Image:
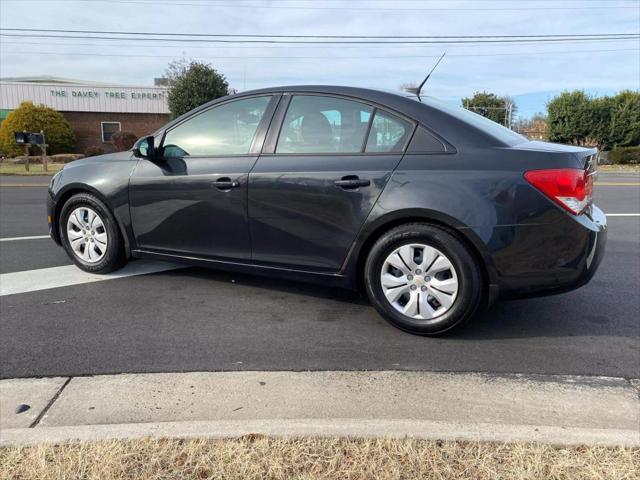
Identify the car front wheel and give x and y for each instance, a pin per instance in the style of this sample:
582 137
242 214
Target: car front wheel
90 234
422 279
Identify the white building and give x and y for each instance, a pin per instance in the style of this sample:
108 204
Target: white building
94 110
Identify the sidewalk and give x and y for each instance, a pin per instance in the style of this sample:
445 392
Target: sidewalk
553 409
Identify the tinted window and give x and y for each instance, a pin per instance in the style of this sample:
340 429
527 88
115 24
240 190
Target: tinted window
316 124
423 141
388 133
494 129
225 130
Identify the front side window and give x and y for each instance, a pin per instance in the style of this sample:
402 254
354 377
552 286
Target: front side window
388 133
225 130
108 129
319 124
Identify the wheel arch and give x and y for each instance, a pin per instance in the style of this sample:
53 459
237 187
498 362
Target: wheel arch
355 265
73 189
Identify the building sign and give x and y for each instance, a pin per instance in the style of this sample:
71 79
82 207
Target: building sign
85 98
137 95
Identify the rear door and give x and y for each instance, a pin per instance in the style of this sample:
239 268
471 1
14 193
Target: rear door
324 164
193 202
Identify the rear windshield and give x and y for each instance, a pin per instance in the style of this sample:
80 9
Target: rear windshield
502 134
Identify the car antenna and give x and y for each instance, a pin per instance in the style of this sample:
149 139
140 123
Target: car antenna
417 90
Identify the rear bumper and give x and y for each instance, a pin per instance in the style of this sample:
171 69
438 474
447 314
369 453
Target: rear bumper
553 258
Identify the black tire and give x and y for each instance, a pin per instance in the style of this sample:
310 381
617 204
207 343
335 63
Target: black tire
114 257
468 271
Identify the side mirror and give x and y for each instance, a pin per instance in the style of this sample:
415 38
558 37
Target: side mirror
145 148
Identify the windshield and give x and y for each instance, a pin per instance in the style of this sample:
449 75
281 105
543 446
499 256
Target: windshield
490 127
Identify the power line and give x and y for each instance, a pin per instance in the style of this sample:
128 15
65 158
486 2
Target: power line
256 40
359 8
289 57
174 34
270 47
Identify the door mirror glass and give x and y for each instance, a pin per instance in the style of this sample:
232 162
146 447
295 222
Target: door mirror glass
144 148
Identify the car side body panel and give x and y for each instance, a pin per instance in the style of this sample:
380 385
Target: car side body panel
107 177
527 244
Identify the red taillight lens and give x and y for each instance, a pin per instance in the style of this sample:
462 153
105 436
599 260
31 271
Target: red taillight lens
570 188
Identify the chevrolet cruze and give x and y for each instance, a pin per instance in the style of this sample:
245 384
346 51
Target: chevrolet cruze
434 211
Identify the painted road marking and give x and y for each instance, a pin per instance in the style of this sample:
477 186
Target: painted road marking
15 239
617 184
55 277
623 214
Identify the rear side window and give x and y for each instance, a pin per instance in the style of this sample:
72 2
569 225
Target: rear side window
319 124
225 130
423 141
388 133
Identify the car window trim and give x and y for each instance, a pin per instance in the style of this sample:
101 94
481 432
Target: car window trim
269 148
261 129
365 140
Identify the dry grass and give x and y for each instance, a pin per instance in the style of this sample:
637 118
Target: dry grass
34 169
254 457
619 168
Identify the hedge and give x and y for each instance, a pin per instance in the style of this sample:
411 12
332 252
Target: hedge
34 118
625 155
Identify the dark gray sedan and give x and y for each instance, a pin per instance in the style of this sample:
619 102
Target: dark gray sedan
433 210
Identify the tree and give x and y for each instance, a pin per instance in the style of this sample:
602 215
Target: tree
34 118
534 128
604 122
192 84
599 116
568 118
491 106
625 119
123 141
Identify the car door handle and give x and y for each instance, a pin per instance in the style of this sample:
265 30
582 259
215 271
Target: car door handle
225 184
351 182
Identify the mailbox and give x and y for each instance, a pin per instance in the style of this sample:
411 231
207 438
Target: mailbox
29 138
21 137
36 138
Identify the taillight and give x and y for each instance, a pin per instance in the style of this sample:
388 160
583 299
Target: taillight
570 188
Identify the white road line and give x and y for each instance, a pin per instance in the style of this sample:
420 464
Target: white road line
623 214
15 239
46 278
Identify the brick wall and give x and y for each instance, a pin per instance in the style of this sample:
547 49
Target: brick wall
87 126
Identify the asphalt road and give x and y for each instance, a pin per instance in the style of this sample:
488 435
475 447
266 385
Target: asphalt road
200 320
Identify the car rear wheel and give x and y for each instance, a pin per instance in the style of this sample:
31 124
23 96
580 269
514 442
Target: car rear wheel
422 279
90 234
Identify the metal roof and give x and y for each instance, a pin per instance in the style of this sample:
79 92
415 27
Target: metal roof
47 79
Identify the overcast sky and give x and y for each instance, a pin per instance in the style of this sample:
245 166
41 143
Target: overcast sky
530 73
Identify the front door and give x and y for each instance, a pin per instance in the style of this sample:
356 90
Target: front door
310 195
194 201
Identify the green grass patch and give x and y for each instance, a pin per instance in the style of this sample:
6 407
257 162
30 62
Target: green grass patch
34 169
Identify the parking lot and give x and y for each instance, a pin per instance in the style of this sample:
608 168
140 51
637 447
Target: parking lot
192 319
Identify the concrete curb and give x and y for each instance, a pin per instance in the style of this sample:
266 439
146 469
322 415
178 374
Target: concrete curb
554 409
339 427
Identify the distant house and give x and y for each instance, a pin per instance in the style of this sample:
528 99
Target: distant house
534 129
95 110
